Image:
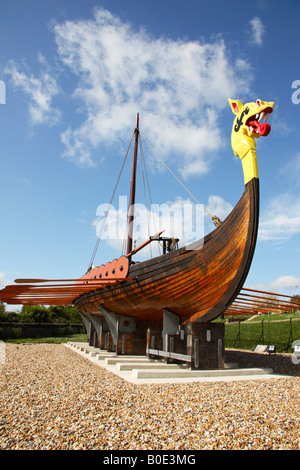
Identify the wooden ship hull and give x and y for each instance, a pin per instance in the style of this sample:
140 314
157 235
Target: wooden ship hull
197 282
172 299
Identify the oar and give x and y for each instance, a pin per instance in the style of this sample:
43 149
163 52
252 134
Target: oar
100 281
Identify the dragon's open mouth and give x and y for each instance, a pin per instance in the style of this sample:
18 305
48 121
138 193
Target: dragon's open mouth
257 124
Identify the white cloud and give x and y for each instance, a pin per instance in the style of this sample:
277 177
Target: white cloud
281 284
219 207
179 89
40 92
257 31
281 219
3 280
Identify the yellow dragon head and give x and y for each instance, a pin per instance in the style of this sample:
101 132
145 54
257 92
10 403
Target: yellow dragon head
249 124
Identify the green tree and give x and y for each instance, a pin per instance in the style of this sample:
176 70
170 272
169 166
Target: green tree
34 314
2 312
64 313
52 314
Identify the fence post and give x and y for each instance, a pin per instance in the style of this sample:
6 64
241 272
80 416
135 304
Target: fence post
261 334
238 336
290 340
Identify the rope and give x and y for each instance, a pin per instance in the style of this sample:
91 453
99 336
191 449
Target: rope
144 187
214 218
146 181
110 203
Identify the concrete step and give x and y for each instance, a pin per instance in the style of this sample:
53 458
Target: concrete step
167 373
102 356
146 366
231 365
122 359
140 369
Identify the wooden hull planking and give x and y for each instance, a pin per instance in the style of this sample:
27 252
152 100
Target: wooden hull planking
197 282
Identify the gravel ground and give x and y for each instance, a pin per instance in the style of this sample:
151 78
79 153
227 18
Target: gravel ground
52 398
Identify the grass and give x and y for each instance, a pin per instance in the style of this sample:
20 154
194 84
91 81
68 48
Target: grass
55 340
278 329
275 317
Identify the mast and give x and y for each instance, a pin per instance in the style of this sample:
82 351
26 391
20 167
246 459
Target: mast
132 188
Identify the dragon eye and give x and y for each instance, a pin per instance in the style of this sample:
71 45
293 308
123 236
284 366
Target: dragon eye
258 103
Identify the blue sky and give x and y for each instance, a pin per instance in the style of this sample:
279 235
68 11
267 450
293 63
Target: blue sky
76 73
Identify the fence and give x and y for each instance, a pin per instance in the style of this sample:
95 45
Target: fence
15 330
246 335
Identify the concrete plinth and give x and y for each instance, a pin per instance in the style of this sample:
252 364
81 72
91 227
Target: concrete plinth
199 345
205 345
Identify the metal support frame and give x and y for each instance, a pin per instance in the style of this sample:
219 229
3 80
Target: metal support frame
170 326
118 323
198 345
88 325
112 321
97 322
170 355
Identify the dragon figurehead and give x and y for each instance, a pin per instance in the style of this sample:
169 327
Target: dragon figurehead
250 123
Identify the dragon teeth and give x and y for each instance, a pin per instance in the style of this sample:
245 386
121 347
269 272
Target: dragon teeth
261 115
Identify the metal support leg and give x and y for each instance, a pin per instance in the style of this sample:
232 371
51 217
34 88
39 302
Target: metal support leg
118 324
170 326
113 324
98 325
88 325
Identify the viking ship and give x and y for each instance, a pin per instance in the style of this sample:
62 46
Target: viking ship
196 283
